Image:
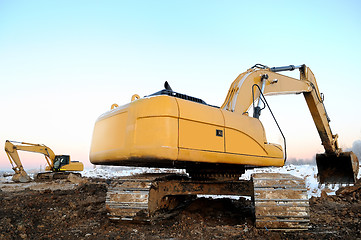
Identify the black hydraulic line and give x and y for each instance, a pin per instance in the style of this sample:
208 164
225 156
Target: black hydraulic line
264 101
257 110
258 65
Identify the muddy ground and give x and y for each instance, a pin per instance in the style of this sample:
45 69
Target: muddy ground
77 211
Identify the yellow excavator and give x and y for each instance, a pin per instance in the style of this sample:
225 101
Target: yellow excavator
215 145
59 166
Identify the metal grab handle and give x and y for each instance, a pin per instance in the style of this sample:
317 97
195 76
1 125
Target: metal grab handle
135 97
114 106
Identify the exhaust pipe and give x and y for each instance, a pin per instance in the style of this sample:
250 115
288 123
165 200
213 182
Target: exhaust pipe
337 169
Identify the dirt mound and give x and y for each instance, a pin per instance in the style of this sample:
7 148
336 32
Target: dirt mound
339 214
353 193
51 214
80 213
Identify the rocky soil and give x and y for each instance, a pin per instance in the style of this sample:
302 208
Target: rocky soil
78 211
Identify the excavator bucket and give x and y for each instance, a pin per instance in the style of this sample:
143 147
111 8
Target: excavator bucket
337 169
22 177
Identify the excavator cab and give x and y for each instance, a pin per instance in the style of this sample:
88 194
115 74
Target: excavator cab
62 163
60 160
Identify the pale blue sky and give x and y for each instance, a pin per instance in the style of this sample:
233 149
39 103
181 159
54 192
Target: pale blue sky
63 63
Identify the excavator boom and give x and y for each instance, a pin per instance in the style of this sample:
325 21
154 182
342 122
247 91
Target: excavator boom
334 166
20 174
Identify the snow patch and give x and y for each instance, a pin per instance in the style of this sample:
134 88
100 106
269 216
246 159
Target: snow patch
307 172
113 172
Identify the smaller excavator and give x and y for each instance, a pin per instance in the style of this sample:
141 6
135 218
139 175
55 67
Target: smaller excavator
59 166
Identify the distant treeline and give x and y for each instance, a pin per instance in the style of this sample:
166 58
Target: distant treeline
356 148
301 161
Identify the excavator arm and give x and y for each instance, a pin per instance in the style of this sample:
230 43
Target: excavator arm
20 174
334 166
12 152
11 149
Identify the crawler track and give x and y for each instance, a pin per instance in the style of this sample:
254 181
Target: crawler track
48 176
281 202
127 198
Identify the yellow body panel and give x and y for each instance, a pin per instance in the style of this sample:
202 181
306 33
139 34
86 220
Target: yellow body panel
156 137
110 126
161 131
244 135
148 130
73 166
198 124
